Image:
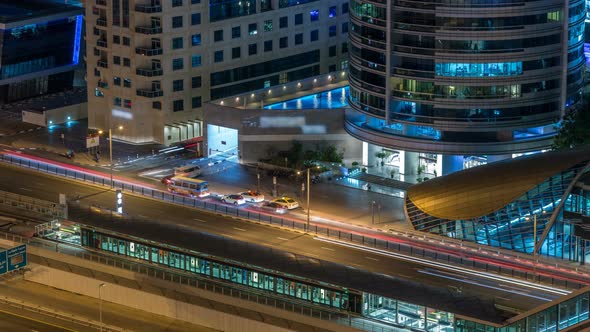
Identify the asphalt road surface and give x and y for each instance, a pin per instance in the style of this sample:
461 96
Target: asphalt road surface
13 322
515 295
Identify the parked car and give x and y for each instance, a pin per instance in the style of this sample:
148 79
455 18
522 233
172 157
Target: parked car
274 207
253 196
233 199
287 202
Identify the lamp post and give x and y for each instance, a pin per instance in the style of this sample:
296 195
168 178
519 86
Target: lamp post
100 304
308 190
535 239
257 181
111 152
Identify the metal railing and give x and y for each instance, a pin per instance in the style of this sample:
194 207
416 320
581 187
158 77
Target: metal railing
202 282
505 260
45 208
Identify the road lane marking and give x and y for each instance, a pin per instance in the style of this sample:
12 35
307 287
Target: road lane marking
199 220
473 282
37 320
486 275
371 258
328 248
239 229
503 298
282 238
26 189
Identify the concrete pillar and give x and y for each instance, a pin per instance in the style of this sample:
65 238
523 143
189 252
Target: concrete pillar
451 164
408 163
373 149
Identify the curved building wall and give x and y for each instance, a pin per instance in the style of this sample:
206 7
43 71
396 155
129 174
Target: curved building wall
489 73
511 226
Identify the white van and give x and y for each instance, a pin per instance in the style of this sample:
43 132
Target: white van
189 171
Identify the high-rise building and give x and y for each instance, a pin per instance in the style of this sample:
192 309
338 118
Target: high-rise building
448 84
152 64
40 46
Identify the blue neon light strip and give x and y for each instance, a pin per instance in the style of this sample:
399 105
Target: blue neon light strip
77 37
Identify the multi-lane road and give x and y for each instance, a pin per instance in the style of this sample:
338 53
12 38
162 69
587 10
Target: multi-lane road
509 293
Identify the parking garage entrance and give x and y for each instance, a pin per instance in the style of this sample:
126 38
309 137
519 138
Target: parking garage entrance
222 141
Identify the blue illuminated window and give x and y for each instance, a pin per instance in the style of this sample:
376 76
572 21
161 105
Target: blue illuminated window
314 15
332 12
195 61
196 39
479 69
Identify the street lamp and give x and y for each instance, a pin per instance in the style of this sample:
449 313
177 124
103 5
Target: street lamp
308 190
111 151
100 304
535 238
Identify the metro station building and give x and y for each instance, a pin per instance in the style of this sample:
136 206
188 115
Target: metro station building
501 203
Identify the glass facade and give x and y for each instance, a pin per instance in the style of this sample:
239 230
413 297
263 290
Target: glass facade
192 262
407 314
479 69
512 227
226 9
26 49
463 100
555 318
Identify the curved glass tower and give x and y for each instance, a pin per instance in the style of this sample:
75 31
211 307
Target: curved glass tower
469 77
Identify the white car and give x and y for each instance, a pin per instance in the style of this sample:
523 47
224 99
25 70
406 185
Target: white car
233 199
252 196
286 202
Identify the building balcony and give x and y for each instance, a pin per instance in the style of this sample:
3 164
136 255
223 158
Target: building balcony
148 51
101 43
149 72
148 8
101 2
148 30
102 63
150 93
101 21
